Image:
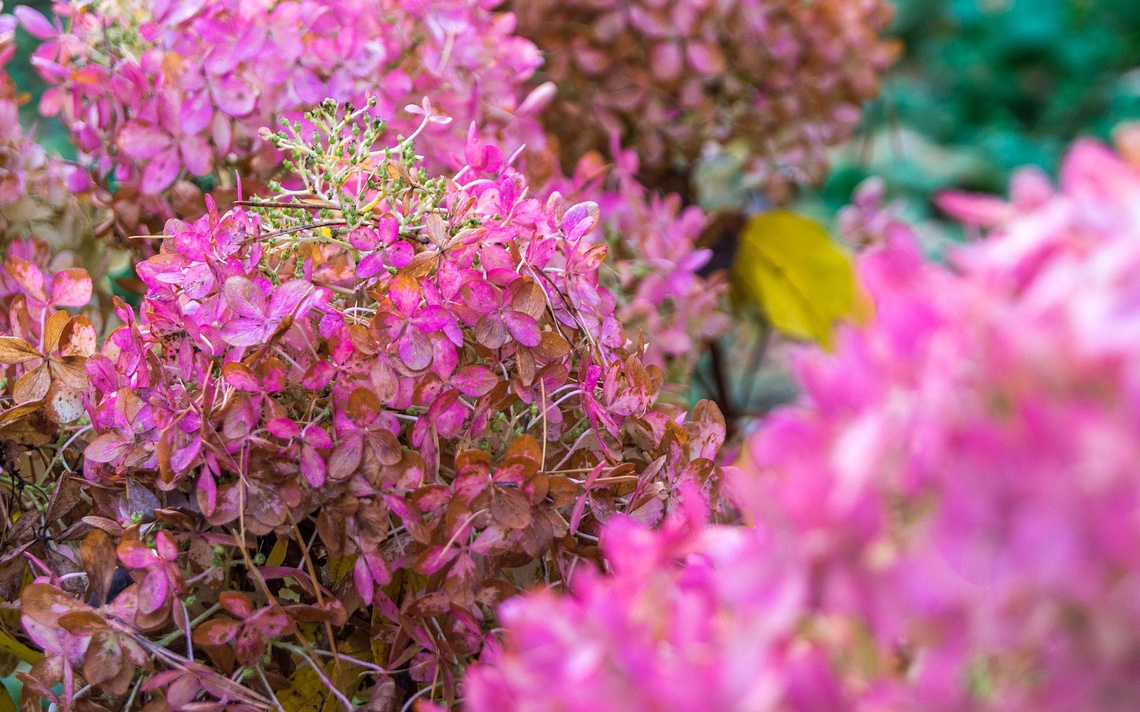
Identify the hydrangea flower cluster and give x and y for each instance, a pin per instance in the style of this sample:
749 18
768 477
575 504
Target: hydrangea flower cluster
155 92
785 77
946 521
411 391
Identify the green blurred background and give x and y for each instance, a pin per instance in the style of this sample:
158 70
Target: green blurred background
986 86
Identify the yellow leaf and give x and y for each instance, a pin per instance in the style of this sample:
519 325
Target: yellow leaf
789 265
340 566
9 644
7 704
277 554
306 691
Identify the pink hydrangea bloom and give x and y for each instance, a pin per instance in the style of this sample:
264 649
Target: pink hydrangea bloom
165 90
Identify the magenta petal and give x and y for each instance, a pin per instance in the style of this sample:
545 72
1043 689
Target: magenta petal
288 299
308 86
370 265
317 438
364 238
184 458
283 427
362 579
161 171
579 219
199 281
400 254
431 318
523 328
388 230
312 466
196 113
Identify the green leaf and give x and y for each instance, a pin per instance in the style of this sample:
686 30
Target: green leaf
790 266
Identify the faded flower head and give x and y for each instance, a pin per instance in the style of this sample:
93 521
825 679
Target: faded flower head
785 77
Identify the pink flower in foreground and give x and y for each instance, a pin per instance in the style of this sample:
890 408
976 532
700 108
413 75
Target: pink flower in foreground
946 521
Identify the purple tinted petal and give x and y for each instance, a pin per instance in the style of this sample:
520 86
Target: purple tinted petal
196 113
313 466
283 428
245 298
35 23
153 591
245 332
287 299
415 349
233 96
197 155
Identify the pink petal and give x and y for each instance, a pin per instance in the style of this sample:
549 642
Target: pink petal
283 427
196 113
71 288
35 23
370 265
312 466
196 153
108 447
288 299
161 172
245 298
142 141
233 96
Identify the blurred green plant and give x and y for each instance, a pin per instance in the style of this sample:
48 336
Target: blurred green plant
985 86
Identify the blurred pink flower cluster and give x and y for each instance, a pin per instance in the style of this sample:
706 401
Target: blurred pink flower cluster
35 189
156 91
947 521
786 77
